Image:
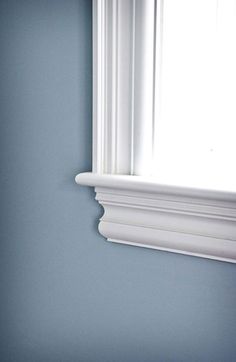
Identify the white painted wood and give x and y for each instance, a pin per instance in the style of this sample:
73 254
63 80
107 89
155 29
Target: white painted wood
113 53
124 85
140 212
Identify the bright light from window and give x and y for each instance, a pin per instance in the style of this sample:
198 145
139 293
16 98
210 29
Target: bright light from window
195 128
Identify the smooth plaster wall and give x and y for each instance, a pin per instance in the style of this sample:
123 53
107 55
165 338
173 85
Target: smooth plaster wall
66 294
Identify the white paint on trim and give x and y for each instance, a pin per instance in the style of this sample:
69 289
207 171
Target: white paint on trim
138 210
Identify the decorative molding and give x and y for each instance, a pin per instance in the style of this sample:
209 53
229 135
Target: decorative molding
138 210
113 80
123 85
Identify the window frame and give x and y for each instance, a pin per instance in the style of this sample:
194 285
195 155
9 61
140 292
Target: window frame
138 210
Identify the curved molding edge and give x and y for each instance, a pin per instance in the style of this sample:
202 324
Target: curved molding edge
140 212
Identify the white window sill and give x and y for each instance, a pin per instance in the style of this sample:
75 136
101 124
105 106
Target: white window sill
140 212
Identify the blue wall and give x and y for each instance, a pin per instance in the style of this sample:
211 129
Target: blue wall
66 294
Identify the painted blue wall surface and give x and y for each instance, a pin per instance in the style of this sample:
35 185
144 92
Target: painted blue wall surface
67 295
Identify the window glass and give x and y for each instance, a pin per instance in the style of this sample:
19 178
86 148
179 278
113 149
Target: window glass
195 113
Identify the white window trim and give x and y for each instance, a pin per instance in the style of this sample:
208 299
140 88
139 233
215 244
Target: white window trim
138 211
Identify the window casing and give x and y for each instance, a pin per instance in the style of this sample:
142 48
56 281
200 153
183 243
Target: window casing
138 208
